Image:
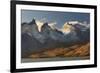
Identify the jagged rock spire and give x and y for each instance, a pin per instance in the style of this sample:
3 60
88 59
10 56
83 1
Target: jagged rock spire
32 22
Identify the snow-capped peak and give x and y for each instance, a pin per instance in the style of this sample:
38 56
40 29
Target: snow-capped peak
41 23
80 23
52 25
66 28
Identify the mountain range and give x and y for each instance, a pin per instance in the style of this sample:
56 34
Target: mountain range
39 38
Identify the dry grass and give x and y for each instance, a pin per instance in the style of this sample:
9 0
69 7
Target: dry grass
80 50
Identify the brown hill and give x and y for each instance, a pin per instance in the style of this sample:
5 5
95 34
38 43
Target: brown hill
79 50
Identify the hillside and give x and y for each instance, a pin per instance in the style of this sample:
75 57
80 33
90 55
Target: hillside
77 50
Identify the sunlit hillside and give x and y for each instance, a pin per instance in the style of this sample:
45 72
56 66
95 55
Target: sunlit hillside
77 50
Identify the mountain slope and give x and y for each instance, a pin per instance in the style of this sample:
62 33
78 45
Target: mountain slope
77 50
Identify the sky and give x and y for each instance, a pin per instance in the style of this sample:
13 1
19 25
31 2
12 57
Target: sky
54 16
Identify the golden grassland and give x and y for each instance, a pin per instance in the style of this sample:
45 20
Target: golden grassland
77 50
